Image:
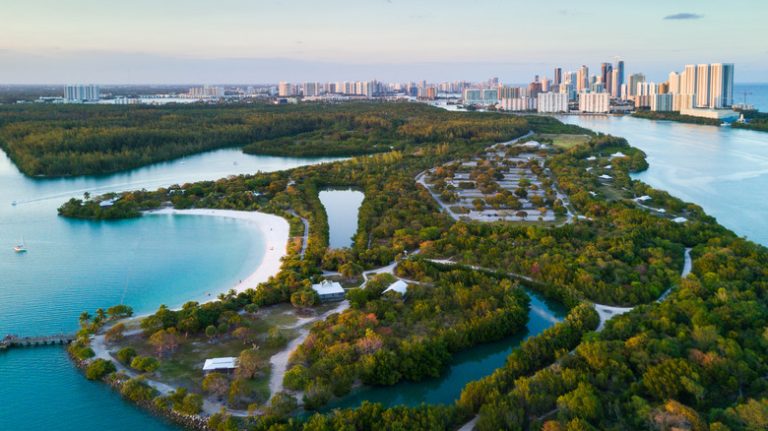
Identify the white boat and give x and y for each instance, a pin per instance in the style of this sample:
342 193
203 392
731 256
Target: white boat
20 248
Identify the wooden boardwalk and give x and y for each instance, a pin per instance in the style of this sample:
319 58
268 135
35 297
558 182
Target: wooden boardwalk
14 341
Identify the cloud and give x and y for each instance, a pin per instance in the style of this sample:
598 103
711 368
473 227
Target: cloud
684 15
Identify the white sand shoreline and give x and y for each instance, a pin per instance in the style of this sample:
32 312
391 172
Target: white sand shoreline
274 229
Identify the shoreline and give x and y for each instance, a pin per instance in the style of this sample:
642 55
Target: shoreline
274 229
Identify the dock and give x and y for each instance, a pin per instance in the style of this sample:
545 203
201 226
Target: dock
48 340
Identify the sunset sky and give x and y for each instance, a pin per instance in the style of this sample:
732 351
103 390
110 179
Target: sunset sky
175 41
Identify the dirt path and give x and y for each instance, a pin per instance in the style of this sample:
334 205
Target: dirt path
279 361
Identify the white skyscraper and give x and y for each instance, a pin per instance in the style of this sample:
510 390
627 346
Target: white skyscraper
721 85
82 93
674 83
702 85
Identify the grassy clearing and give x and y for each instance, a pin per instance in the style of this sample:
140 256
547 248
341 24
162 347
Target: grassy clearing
566 141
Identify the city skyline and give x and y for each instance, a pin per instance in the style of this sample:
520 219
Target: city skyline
243 42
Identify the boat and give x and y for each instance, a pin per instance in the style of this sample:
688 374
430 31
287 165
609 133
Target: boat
20 248
13 203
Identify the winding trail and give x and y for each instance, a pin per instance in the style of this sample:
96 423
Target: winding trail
606 312
279 361
305 237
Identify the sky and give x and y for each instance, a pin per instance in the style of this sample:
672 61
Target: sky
261 41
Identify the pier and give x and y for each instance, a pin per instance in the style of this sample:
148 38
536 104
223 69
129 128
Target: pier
15 341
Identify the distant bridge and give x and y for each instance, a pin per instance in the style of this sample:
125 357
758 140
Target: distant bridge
48 340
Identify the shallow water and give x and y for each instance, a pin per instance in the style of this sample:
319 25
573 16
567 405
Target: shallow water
75 265
723 170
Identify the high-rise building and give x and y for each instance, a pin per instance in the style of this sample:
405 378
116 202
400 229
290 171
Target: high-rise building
674 83
662 102
310 89
702 85
82 93
582 79
285 89
558 78
634 79
606 70
619 77
596 103
615 85
721 85
552 102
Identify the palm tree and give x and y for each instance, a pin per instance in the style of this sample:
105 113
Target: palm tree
84 318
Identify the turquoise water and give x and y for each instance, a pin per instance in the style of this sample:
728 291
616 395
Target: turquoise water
342 207
75 265
466 366
722 169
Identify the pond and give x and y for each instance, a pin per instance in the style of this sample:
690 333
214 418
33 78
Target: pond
342 207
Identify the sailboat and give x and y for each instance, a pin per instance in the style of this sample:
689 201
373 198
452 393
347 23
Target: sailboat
20 248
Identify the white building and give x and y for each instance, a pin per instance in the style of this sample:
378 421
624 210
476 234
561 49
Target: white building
219 365
702 85
82 93
662 102
552 102
596 103
329 290
285 89
518 104
399 286
721 85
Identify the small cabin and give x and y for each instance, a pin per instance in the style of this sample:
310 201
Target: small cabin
220 365
329 291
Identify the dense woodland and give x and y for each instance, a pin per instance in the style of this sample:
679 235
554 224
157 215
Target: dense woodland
93 140
386 338
697 361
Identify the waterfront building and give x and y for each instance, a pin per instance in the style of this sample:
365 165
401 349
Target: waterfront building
80 93
552 102
662 102
702 86
721 85
518 104
596 103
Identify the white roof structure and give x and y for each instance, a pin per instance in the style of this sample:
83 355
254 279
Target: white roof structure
618 155
679 219
591 158
643 198
327 287
399 286
605 177
220 364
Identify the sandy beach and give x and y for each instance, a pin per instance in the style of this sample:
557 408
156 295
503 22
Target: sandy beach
274 229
